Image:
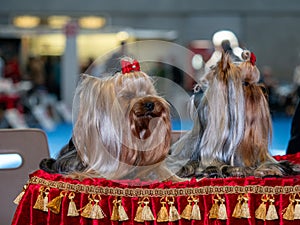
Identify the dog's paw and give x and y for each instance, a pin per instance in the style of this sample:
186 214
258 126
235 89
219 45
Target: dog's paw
267 172
188 170
276 169
209 172
234 171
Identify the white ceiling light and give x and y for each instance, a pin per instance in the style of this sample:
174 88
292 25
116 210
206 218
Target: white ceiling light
26 21
57 22
91 22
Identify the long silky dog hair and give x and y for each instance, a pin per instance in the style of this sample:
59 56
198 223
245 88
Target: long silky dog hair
232 126
253 149
122 128
218 122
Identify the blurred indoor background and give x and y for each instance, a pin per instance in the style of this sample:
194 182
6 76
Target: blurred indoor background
45 45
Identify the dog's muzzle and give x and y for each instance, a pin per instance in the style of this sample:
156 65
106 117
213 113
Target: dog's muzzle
143 115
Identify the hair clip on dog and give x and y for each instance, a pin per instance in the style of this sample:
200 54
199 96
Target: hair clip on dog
128 67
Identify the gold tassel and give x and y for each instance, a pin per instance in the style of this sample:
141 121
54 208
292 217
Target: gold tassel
272 213
40 202
245 211
72 210
162 215
87 209
213 212
261 211
20 196
138 214
288 212
54 204
196 215
97 212
122 213
297 210
147 214
173 213
115 213
46 199
222 213
187 212
238 208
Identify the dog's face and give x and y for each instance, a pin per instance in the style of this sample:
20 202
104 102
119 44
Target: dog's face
146 136
121 123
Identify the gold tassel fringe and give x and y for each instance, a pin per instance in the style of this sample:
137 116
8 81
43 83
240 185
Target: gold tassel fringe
115 212
54 204
96 211
20 196
39 203
222 213
238 207
72 210
138 214
261 211
196 215
46 199
245 211
42 199
272 213
87 209
265 211
173 213
147 214
118 212
289 211
162 215
122 213
297 210
213 212
187 212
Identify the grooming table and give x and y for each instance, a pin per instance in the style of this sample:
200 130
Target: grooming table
57 200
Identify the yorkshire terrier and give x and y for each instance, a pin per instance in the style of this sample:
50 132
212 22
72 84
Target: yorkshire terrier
122 129
232 126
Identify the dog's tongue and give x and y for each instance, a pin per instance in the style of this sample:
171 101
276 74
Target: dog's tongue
142 134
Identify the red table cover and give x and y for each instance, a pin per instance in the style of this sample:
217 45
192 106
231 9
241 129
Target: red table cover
58 200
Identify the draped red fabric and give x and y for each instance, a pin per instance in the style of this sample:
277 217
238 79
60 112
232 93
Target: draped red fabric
129 192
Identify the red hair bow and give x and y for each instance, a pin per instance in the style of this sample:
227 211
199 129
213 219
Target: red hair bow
252 59
128 67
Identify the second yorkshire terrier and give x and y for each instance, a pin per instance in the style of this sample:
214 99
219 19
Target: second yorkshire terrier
232 127
122 128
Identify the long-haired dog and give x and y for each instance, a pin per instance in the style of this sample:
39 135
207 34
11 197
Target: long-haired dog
122 128
232 126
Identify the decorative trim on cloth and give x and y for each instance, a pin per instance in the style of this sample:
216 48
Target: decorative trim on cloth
160 192
55 199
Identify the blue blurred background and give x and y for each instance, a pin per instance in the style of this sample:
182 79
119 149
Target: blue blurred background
281 133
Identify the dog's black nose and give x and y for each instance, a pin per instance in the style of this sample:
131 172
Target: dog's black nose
149 106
